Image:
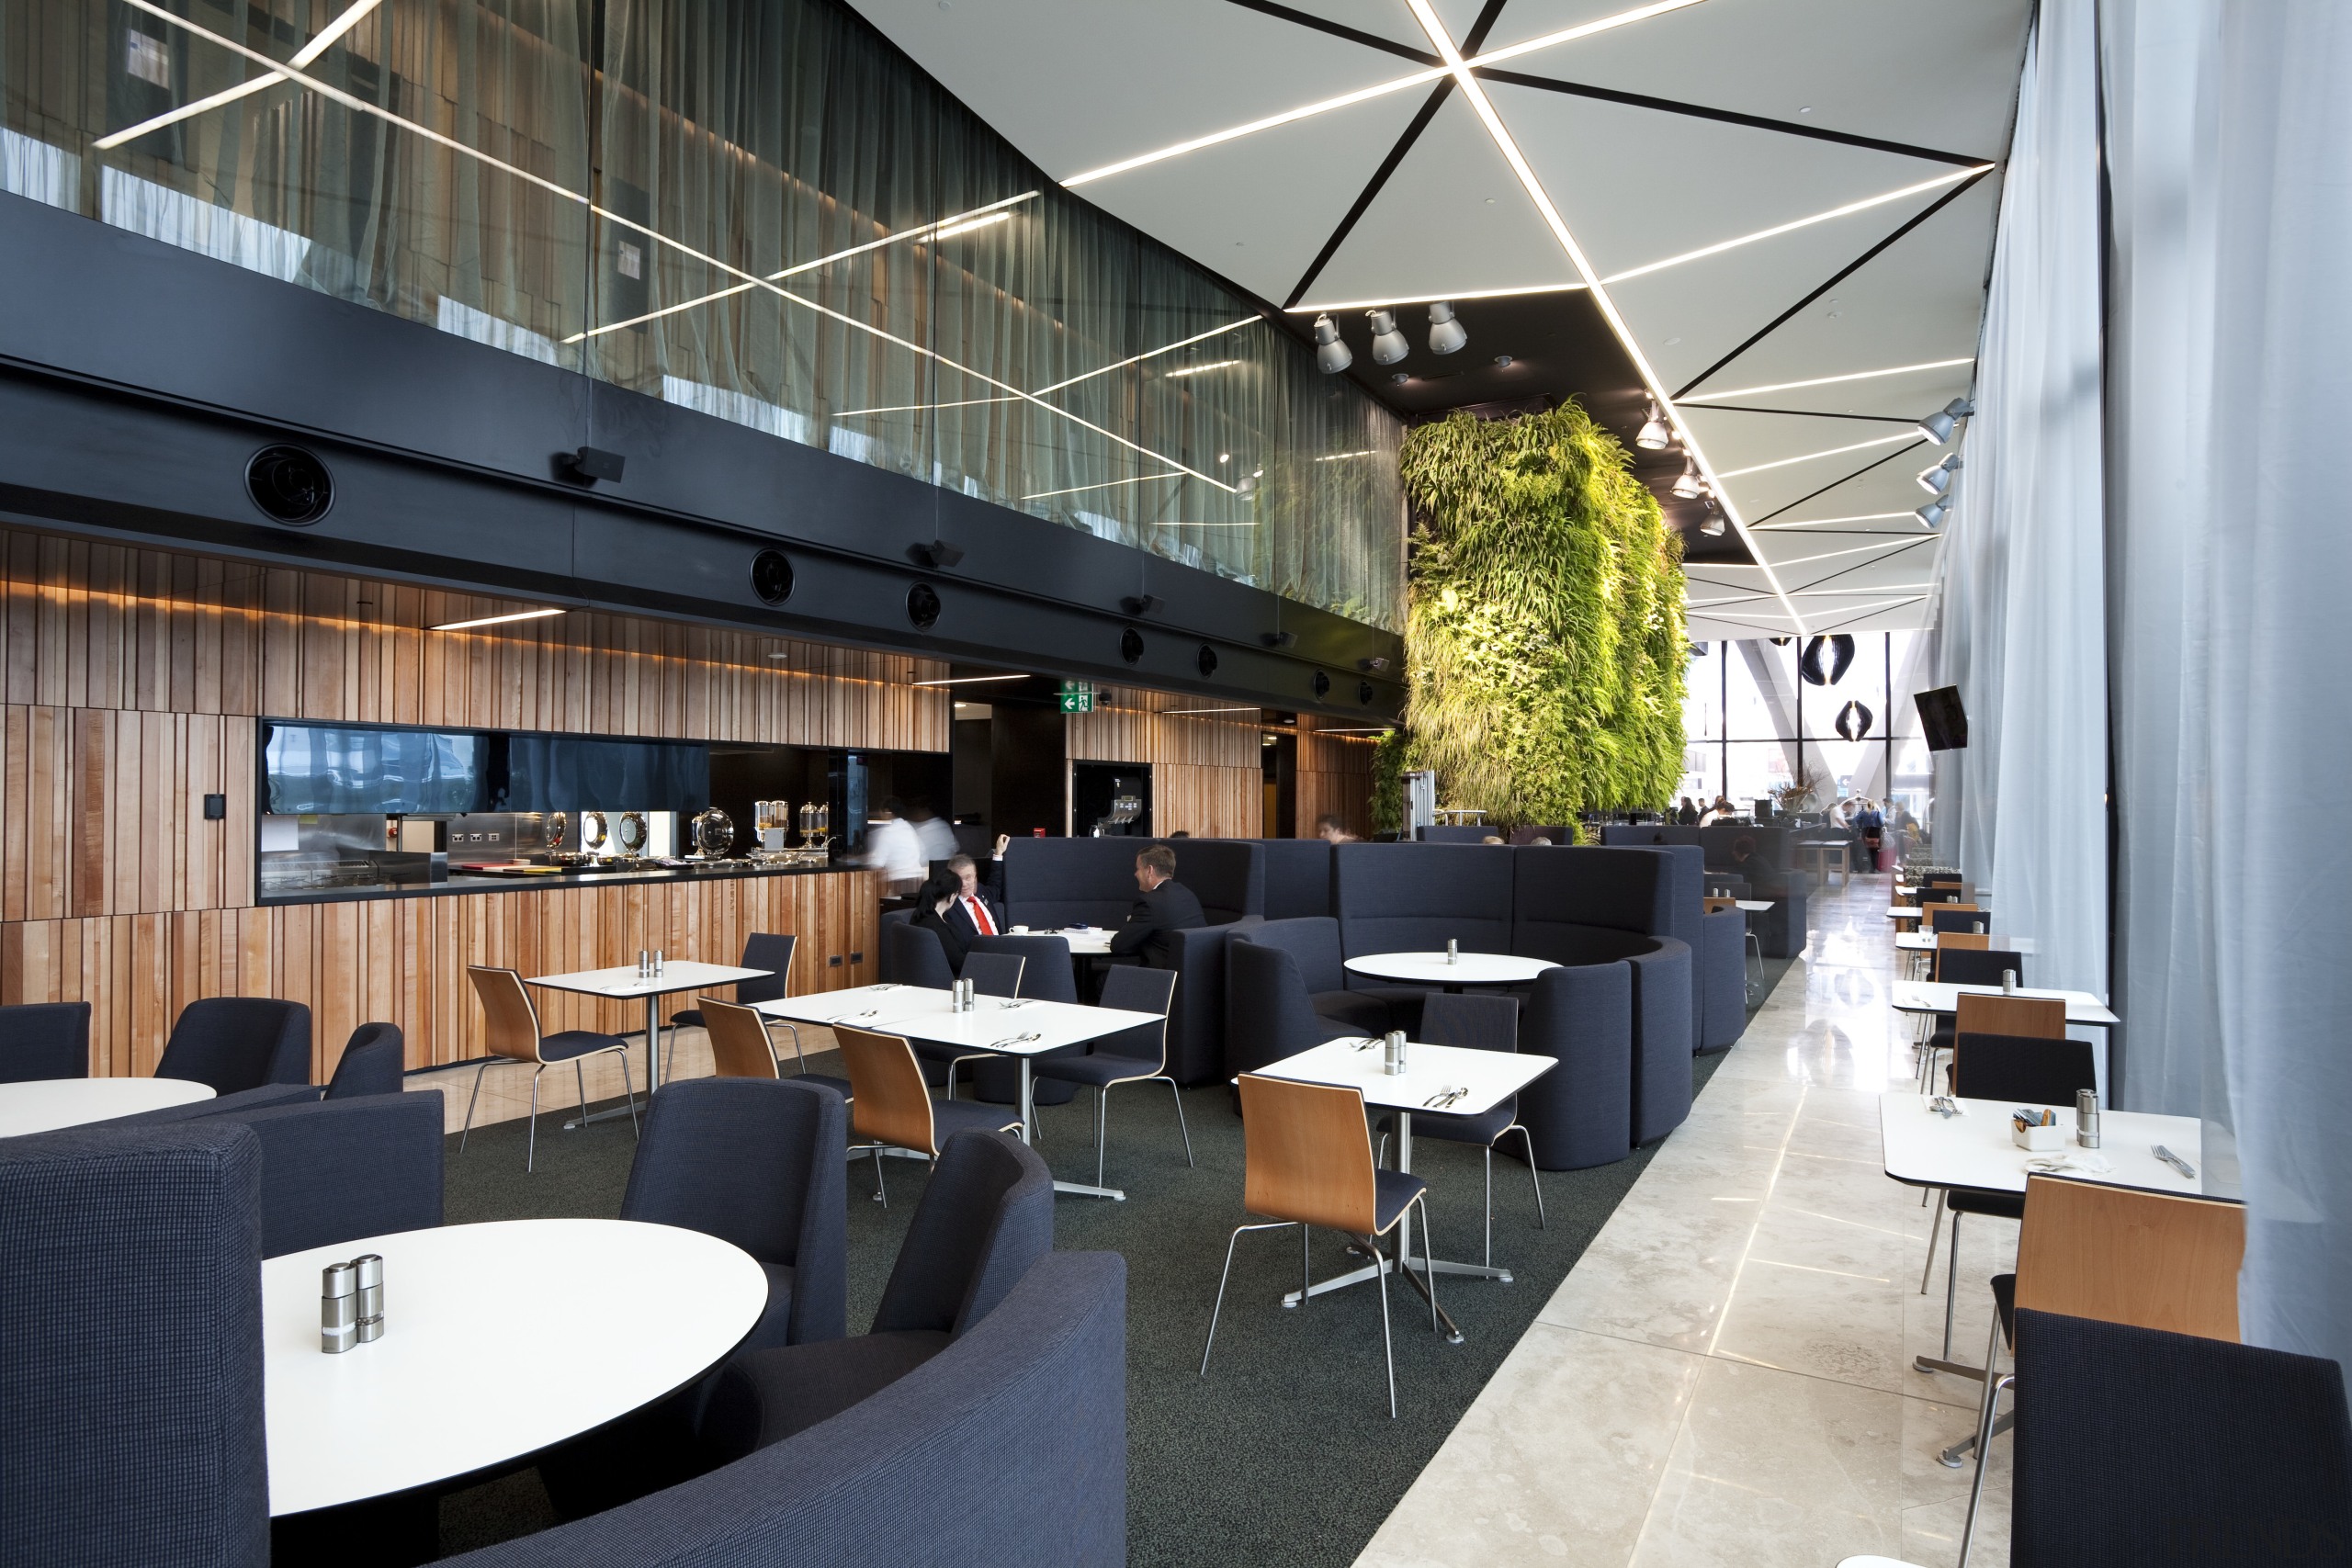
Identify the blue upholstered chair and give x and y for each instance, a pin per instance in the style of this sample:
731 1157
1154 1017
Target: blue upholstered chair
1116 1060
44 1039
1477 1023
337 1170
1269 1014
1040 968
238 1042
986 1218
1045 970
758 1163
1580 1114
144 1445
1941 920
1313 943
372 1063
268 1097
912 956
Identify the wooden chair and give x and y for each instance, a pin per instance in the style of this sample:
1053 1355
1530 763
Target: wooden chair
514 1034
2117 1254
741 1047
1717 906
2042 1018
1306 1161
890 1106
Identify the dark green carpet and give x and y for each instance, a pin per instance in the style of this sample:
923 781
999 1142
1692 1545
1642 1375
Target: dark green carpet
1285 1451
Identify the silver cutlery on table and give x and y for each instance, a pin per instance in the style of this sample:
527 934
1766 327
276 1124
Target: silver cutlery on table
844 1018
2177 1163
1443 1098
1021 1002
1364 1044
1014 1040
1944 1106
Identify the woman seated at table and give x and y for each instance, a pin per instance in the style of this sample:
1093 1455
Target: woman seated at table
931 904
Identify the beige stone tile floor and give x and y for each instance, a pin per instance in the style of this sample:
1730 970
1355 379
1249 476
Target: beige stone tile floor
1726 1376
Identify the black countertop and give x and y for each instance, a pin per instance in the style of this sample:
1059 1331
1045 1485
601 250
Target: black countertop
462 883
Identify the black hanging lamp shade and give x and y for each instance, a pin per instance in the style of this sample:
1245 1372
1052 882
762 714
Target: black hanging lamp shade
1840 649
1854 721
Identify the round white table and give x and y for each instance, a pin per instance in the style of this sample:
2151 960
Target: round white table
499 1340
44 1105
1467 969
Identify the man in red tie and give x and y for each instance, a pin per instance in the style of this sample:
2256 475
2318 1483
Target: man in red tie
979 908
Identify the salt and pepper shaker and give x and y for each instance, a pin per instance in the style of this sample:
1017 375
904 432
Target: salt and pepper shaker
2086 1118
2009 982
644 963
659 961
338 1308
1392 1055
370 1268
1452 951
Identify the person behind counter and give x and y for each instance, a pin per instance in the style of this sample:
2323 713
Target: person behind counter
1165 904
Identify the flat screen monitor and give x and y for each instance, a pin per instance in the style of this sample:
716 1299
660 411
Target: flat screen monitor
1943 719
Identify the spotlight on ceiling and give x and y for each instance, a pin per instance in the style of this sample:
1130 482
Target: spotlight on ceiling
1934 513
1446 335
1502 361
1331 355
1248 485
1937 480
1657 435
1687 484
1388 344
1937 427
1712 524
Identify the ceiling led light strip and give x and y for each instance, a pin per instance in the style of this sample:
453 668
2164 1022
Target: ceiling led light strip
1824 522
1457 296
1365 94
969 680
1831 452
553 188
496 620
1202 369
1472 90
1148 354
1891 542
1828 380
303 56
1774 233
1106 484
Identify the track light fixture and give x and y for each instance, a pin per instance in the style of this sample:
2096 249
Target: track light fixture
1937 480
1712 523
1657 435
1932 515
1937 427
1687 484
1331 355
1388 344
1446 335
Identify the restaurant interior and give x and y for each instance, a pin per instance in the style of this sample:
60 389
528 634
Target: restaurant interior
1662 648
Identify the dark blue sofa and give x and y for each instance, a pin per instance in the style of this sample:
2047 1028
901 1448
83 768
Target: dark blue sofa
1770 872
1718 943
1298 878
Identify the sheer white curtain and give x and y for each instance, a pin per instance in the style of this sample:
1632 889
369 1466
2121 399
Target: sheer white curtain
2228 125
2023 599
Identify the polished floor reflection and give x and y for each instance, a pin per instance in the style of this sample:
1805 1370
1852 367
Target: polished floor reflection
1726 1376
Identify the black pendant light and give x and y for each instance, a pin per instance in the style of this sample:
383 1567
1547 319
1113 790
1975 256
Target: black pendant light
1840 649
1854 721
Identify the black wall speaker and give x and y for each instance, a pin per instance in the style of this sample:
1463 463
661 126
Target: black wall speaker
1207 660
922 605
771 577
1943 720
1322 684
1131 645
289 485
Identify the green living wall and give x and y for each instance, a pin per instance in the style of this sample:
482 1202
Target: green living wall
1543 620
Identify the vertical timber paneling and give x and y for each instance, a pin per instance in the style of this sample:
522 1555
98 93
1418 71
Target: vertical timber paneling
1334 777
1207 779
133 687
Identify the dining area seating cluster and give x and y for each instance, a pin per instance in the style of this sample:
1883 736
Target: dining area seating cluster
2119 1320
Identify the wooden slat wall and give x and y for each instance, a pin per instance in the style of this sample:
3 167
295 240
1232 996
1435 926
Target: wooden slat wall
133 683
1335 776
1207 778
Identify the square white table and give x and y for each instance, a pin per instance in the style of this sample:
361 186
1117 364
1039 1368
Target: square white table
1085 941
1927 995
993 1028
1925 942
622 983
1491 1078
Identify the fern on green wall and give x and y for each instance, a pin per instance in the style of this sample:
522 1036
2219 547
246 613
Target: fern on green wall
1543 620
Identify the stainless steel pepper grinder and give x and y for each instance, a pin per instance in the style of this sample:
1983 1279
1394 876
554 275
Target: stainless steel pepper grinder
370 1268
338 1308
2086 1118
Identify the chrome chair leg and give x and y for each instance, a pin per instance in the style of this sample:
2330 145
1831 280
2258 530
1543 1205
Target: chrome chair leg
1387 1345
1101 1125
881 1191
1490 1205
1219 1304
468 1130
1951 1283
531 1144
628 1096
1429 1266
1993 1386
1305 1265
797 1054
1533 1175
1187 1132
1935 1225
580 1076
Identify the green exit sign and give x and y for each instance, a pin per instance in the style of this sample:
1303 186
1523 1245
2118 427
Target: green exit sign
1078 696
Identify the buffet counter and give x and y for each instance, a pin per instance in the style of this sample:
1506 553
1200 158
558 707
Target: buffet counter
461 881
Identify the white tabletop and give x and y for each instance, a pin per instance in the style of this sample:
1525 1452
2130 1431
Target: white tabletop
1925 942
1902 912
1092 940
1973 1149
499 1340
623 980
1925 996
1468 969
1752 905
996 1024
43 1105
1491 1076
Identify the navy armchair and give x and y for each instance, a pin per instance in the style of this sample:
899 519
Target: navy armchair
1270 1014
1313 943
372 1063
238 1042
337 1170
123 1444
44 1039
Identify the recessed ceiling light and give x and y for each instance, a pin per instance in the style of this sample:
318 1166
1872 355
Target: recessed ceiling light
1502 361
496 620
1224 457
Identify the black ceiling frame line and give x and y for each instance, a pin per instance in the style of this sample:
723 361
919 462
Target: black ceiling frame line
1338 29
1727 116
1882 610
1866 565
1800 413
1840 532
1833 484
1841 276
1487 16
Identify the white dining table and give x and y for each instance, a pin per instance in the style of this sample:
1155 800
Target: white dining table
1925 942
44 1105
1488 1079
500 1339
1929 995
1020 1028
1453 974
1923 1148
623 983
1085 941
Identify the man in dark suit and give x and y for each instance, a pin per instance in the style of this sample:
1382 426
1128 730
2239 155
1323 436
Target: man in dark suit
1166 905
978 906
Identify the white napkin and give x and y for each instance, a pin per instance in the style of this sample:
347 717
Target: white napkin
2074 1162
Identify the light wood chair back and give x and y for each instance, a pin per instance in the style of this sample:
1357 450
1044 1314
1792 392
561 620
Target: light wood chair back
739 1039
2124 1255
1307 1154
1980 941
513 1022
1717 906
2036 1018
890 1103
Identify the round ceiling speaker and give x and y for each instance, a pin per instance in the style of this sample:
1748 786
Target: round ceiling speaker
922 605
771 577
1207 660
1322 684
1131 645
289 485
